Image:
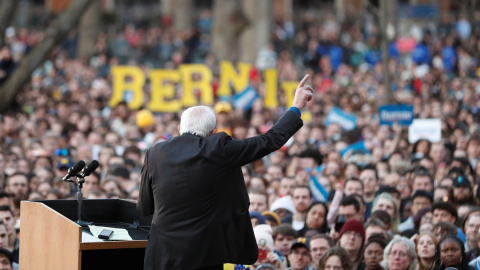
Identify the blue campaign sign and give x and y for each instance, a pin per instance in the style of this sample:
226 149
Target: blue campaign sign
338 116
245 99
402 114
356 147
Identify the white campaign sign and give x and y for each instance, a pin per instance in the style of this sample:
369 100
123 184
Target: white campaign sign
429 129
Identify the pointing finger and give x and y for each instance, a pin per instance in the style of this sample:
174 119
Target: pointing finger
304 80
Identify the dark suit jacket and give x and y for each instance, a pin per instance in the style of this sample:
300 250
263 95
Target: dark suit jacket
195 189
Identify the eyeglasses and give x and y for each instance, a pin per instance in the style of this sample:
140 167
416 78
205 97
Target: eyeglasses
352 233
398 254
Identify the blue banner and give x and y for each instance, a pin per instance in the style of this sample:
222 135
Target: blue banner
245 99
338 116
401 114
358 146
318 191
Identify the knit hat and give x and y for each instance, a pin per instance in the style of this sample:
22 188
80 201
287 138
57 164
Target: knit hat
223 106
274 215
263 235
284 202
257 215
353 225
145 118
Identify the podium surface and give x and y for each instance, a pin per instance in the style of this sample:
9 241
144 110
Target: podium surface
50 238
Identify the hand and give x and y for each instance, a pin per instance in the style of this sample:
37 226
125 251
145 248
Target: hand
303 94
274 259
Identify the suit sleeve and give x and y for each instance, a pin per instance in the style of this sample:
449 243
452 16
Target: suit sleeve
245 151
145 204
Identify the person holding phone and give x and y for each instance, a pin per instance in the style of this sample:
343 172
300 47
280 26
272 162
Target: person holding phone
266 254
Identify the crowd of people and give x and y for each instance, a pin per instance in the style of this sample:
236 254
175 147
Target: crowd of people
393 205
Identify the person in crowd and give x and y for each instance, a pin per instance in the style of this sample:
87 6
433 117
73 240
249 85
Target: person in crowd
463 191
375 226
17 184
256 218
6 260
386 202
444 228
283 207
13 245
258 200
371 184
287 184
263 236
302 199
283 237
336 258
319 245
399 254
451 253
316 220
420 199
426 244
300 257
373 253
422 180
271 218
446 212
352 239
471 227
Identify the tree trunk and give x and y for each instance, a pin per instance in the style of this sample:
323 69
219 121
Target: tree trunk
66 21
257 36
183 15
90 26
7 10
229 22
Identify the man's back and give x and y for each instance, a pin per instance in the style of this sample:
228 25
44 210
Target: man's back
195 189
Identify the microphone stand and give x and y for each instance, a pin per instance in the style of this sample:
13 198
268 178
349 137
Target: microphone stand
79 183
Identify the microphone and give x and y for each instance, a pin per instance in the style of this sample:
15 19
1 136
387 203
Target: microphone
92 166
74 170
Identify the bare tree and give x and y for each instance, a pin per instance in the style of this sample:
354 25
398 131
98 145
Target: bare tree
90 26
183 10
7 10
229 23
257 35
53 35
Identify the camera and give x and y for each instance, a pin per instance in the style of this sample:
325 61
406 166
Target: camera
262 254
339 223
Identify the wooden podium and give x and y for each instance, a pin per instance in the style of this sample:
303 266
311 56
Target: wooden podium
51 239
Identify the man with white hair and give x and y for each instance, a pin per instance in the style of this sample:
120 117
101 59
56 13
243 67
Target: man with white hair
193 185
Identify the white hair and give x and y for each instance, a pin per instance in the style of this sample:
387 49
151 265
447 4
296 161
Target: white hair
411 253
198 120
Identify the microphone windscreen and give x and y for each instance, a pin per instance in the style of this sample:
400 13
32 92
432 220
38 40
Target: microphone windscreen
78 167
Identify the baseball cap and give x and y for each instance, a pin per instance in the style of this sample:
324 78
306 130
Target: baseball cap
145 118
461 181
301 241
65 162
223 106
